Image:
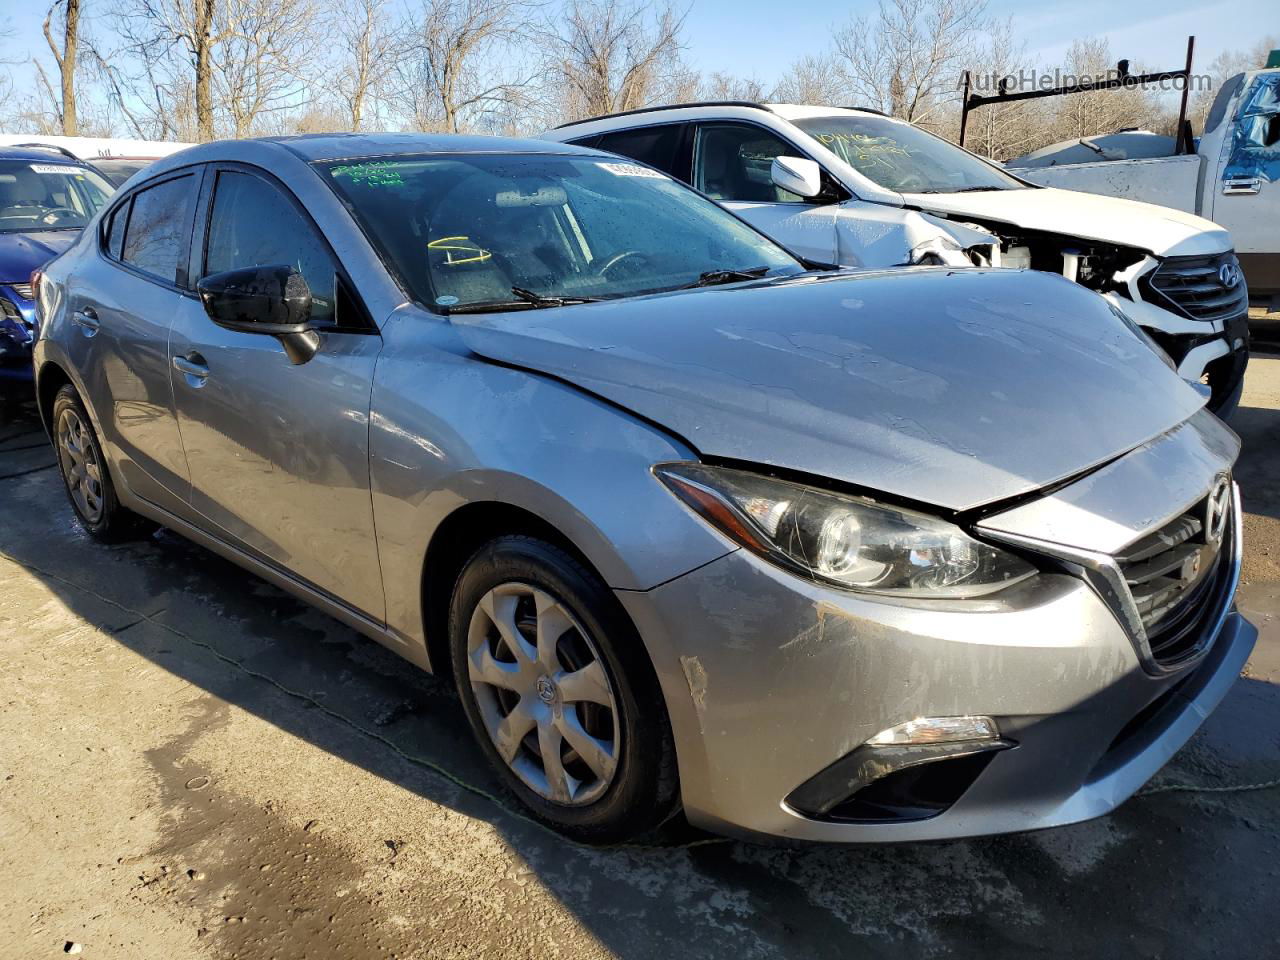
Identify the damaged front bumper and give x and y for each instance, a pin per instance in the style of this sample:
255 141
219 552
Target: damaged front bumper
777 688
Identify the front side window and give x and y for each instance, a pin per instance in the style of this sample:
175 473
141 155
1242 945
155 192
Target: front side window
48 196
734 161
655 146
155 239
473 229
900 157
253 224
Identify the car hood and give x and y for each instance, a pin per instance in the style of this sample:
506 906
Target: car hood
21 253
1144 226
951 388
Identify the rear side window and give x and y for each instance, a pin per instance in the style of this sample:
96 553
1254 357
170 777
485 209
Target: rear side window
655 146
155 238
253 224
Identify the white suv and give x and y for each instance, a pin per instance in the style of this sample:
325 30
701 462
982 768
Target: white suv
857 188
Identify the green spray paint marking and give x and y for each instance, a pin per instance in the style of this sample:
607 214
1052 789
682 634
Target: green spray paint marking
376 173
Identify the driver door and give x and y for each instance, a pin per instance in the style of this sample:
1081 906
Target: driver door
278 453
732 164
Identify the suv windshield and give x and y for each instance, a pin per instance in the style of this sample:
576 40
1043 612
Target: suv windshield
467 230
901 157
35 195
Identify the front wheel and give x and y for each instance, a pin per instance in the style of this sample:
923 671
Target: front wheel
560 692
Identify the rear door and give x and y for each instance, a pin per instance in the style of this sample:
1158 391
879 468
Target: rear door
732 163
122 303
279 452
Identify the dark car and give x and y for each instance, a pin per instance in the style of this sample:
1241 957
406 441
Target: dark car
46 199
120 169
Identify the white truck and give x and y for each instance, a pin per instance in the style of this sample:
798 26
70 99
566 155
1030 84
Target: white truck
856 188
1233 178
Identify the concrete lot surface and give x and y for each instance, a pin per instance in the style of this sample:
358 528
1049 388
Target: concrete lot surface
193 764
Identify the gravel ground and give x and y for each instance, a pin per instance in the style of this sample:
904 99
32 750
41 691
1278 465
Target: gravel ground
196 765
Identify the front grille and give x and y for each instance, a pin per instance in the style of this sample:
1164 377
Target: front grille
24 290
1194 287
1177 575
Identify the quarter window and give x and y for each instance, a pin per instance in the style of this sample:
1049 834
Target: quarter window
115 232
734 161
155 239
253 224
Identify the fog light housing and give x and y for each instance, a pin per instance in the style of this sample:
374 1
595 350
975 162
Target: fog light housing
924 730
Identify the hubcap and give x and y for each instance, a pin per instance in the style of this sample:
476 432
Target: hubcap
543 693
80 467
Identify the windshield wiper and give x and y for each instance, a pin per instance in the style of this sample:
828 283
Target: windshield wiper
712 278
526 300
538 300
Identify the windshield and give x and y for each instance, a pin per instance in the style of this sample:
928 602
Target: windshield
903 158
48 196
476 229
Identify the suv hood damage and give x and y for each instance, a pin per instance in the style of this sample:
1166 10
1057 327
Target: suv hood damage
955 389
1144 226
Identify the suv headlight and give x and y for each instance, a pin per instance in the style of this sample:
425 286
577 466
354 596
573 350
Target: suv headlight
845 541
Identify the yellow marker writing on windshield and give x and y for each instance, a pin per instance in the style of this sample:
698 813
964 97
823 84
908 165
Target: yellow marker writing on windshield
455 245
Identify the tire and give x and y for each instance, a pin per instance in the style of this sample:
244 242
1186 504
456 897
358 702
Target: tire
86 476
626 790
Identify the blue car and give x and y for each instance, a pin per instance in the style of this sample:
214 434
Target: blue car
46 199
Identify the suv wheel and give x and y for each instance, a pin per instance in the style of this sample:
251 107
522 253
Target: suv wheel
560 693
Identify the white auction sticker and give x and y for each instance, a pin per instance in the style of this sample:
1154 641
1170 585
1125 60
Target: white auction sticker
53 168
632 170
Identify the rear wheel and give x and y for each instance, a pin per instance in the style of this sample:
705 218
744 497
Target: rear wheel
560 693
86 476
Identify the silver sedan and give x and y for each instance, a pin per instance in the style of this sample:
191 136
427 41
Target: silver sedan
692 524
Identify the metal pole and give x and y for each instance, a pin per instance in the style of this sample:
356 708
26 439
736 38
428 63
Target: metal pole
964 107
1184 140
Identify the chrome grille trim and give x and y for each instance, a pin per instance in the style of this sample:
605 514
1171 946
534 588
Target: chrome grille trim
1104 574
24 290
1192 287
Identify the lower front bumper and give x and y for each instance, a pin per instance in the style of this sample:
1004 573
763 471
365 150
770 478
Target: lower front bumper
769 680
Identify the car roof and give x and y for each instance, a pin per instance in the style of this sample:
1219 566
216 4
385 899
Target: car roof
38 154
343 146
701 110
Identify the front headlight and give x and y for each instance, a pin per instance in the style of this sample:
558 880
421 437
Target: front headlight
845 541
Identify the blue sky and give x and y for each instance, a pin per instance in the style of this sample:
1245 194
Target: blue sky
760 38
751 37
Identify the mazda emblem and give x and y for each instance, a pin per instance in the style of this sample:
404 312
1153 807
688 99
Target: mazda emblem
1217 511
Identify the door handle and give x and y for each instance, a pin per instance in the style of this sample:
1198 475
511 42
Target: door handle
193 367
1241 185
87 320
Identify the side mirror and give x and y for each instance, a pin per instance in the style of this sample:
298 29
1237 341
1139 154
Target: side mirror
799 175
273 300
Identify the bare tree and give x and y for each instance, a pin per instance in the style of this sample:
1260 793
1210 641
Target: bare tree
906 60
369 44
724 86
604 57
455 62
64 55
1006 130
261 60
1104 111
812 79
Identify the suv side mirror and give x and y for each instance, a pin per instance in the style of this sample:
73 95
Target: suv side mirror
798 175
273 300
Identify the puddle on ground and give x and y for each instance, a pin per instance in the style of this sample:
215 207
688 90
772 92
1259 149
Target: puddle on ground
253 882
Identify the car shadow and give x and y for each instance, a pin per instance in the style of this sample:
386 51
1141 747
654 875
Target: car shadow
1079 891
1258 471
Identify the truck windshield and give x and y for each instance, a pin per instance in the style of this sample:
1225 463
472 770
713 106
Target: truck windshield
900 157
496 231
48 196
